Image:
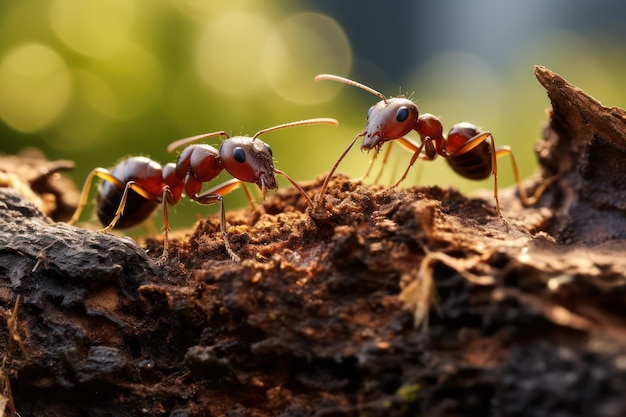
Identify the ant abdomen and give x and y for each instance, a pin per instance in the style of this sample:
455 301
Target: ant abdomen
146 173
474 165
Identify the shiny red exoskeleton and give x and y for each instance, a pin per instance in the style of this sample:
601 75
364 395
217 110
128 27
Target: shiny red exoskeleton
137 183
131 191
470 152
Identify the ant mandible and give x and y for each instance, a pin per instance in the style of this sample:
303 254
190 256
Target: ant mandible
470 152
247 159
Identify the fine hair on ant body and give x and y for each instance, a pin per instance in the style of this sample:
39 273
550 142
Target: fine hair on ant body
247 159
470 152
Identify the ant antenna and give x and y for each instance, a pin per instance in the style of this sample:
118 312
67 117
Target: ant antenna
186 141
191 139
332 77
319 121
297 187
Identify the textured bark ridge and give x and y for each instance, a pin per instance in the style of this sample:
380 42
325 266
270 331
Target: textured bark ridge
585 144
383 303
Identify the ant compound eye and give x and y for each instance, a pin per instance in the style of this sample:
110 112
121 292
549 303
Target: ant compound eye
369 112
402 114
269 149
239 154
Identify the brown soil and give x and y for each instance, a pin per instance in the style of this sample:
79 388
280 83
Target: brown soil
382 303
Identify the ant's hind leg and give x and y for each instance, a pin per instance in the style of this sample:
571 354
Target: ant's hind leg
131 185
101 173
526 200
471 144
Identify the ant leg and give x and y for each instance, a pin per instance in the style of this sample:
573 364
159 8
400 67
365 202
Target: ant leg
249 196
221 189
407 144
322 192
417 153
298 187
526 201
215 195
102 173
130 185
369 166
474 142
167 196
385 159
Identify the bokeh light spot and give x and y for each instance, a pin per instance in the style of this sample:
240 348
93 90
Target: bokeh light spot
124 85
97 93
81 127
458 86
95 27
35 86
302 46
229 53
201 10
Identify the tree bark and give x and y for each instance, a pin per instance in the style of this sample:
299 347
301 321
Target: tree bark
418 301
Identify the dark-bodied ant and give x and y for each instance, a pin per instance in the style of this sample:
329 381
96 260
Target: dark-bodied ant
470 152
247 159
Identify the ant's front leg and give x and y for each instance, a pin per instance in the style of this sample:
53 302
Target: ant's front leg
216 195
322 192
427 144
371 164
382 167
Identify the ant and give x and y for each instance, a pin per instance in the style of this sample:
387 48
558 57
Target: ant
470 152
247 159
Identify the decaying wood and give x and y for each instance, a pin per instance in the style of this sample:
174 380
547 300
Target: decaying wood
410 302
585 144
41 182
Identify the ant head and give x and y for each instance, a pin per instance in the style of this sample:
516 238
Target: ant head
389 119
249 160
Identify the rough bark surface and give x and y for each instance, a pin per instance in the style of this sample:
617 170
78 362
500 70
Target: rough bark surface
393 303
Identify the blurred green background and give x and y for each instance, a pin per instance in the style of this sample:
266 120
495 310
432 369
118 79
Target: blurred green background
96 81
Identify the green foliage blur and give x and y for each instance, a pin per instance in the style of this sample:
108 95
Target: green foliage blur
96 81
